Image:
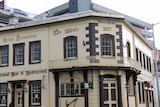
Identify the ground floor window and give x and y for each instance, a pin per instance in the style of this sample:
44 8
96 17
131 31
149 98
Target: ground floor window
35 92
3 94
72 89
141 92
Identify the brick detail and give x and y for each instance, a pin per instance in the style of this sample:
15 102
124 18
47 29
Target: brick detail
120 47
92 40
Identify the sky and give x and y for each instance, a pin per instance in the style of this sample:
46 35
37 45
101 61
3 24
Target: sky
146 10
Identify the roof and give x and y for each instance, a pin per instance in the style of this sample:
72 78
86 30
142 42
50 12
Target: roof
66 17
60 18
64 9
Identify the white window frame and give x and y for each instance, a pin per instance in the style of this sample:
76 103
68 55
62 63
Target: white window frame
68 90
3 94
70 47
35 93
19 53
4 51
107 45
35 52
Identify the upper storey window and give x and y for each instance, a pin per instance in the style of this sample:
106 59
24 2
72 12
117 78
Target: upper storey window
18 54
107 45
34 52
128 49
70 47
3 55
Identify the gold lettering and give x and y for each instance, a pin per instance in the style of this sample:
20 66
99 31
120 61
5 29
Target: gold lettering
71 30
107 28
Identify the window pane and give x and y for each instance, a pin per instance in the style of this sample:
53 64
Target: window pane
71 47
35 93
4 54
72 89
106 96
19 53
113 105
107 47
3 94
35 51
113 94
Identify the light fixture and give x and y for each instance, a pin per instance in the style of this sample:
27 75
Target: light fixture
43 86
127 85
25 90
84 43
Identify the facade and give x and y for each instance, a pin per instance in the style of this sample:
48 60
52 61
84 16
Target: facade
84 59
140 26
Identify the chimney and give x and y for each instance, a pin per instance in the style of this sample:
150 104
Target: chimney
79 5
14 19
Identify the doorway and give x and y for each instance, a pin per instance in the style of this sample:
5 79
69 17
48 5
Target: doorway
110 93
18 96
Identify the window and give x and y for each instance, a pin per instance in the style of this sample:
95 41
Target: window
137 54
70 47
35 93
72 89
140 54
128 50
4 55
35 52
3 94
144 61
150 69
141 92
107 45
18 54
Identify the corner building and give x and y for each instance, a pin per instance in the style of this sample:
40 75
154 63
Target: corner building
86 59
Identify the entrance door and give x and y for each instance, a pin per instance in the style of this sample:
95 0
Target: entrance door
18 95
110 92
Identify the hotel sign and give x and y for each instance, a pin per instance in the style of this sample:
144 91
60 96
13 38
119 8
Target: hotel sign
18 38
27 73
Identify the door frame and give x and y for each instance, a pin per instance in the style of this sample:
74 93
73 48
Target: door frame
12 87
118 78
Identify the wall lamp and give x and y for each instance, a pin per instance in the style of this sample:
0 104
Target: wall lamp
84 43
25 90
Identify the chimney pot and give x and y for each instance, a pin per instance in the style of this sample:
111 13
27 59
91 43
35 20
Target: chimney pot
14 19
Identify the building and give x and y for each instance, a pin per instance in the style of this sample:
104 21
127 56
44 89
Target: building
81 59
142 27
6 14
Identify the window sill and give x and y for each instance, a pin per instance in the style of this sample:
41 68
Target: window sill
3 65
107 56
70 58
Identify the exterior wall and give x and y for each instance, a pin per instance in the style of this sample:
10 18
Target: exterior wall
52 58
27 71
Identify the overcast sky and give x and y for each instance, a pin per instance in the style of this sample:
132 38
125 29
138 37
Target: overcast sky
146 10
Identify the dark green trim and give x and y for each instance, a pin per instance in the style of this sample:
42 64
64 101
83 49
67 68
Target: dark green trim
56 75
101 90
92 41
119 33
85 73
129 69
119 91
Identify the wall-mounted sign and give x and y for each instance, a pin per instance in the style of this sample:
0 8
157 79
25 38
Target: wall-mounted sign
18 38
71 30
27 73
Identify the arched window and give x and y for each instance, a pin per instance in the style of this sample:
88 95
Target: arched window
128 49
70 47
107 45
